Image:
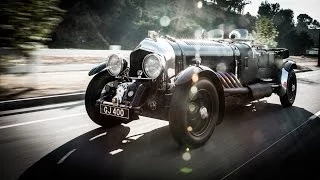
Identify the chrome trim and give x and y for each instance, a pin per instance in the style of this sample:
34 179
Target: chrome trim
275 85
160 59
236 68
283 80
160 46
167 49
122 63
134 78
111 104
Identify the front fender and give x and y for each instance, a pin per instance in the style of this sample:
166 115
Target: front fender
186 75
97 69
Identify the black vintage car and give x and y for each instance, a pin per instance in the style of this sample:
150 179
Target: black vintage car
187 82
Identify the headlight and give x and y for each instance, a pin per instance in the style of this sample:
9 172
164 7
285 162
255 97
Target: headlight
115 64
153 65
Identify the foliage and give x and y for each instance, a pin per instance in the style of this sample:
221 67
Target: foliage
303 42
296 38
265 32
284 23
268 9
304 21
95 24
233 5
316 23
25 24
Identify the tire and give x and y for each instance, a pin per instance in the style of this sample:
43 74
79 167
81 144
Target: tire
288 99
93 92
188 126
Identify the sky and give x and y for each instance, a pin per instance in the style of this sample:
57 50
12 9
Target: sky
310 7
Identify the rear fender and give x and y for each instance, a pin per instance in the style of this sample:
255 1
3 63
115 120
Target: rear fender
287 67
185 77
289 64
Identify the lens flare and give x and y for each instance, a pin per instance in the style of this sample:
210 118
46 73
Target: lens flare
194 90
186 156
165 21
186 170
200 4
221 67
192 107
195 78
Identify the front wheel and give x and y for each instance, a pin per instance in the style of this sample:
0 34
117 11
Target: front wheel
290 95
194 113
93 93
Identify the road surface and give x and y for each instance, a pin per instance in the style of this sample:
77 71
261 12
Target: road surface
258 141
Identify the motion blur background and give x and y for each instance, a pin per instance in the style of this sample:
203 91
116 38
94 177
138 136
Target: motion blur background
47 48
36 36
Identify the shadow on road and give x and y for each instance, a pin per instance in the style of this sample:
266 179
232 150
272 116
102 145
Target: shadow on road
245 132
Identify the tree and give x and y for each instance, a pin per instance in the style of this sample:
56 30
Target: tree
250 22
126 22
233 5
284 19
268 9
265 32
24 24
301 42
284 23
316 23
304 20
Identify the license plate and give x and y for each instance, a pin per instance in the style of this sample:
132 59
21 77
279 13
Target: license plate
114 111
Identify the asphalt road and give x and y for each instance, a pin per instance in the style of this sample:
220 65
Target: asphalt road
259 141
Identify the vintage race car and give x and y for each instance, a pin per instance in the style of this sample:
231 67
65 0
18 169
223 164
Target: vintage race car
187 82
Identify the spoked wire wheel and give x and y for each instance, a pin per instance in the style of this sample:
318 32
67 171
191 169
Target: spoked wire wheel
194 112
288 99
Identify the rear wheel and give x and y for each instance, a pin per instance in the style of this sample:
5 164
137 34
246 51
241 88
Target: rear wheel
290 95
93 93
194 113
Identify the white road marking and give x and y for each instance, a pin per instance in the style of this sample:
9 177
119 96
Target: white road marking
95 137
39 121
65 156
309 119
314 116
116 151
135 137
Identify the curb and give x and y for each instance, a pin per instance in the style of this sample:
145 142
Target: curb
39 101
